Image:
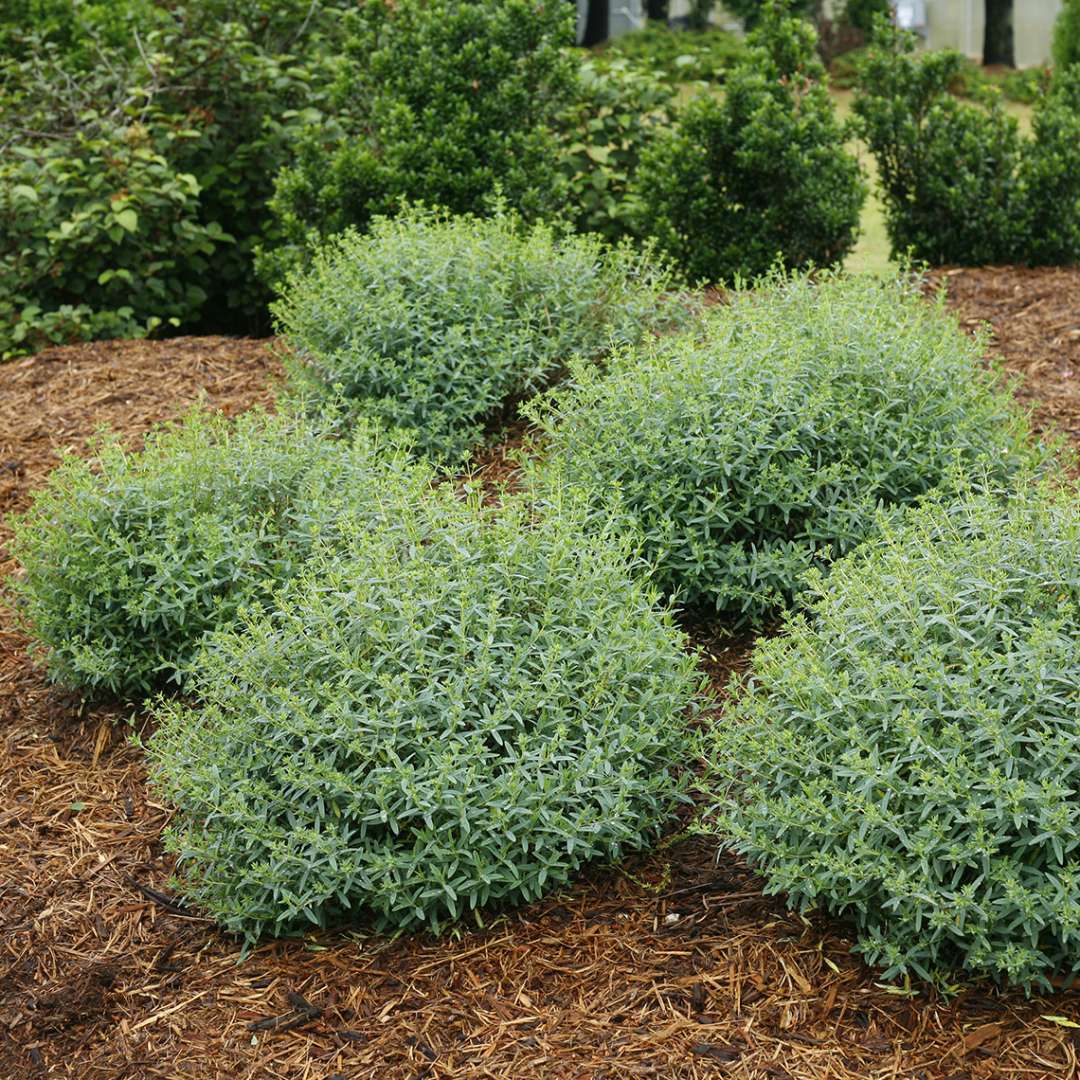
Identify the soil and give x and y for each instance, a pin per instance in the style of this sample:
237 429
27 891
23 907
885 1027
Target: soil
672 965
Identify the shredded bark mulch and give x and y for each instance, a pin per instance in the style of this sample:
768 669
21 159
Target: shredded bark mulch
1035 318
673 965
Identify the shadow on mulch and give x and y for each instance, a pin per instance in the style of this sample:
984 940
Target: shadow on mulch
673 965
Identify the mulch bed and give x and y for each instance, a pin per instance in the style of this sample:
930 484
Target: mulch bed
673 965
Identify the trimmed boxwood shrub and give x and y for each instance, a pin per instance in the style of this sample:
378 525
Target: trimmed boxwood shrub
441 101
433 323
908 751
960 183
458 715
127 560
763 446
760 175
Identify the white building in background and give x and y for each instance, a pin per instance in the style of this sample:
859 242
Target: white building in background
961 25
954 24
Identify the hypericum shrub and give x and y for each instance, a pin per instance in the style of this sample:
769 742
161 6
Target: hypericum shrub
760 175
907 752
763 446
616 111
433 323
458 715
961 185
440 101
128 560
1066 46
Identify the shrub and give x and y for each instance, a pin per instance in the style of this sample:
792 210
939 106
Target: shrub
440 102
1050 175
1066 45
906 753
128 560
759 176
602 136
456 716
763 447
82 223
433 323
156 110
960 183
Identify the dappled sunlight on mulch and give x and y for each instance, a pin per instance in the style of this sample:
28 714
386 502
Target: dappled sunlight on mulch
672 965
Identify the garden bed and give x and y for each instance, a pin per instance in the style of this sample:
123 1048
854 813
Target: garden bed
671 966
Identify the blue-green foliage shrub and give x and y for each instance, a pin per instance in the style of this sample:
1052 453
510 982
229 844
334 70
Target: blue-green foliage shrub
747 453
960 183
129 559
432 323
907 752
759 175
456 714
437 101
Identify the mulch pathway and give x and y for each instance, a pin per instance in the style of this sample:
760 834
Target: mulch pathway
672 965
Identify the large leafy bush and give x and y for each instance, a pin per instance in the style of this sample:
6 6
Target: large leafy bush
433 323
674 55
440 101
759 175
102 236
129 559
455 715
908 751
615 113
168 118
763 446
961 185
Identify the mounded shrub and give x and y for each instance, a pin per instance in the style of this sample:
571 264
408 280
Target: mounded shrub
960 183
762 446
907 752
760 175
1050 175
129 559
433 324
458 715
440 101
